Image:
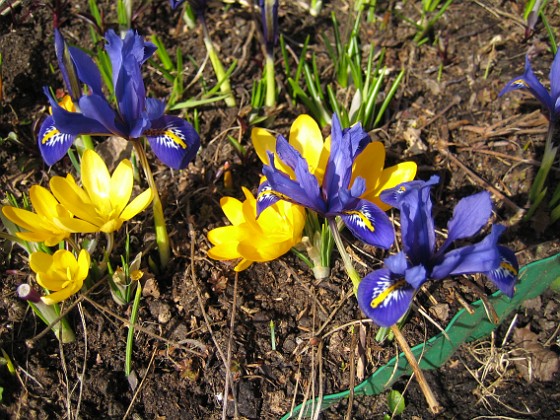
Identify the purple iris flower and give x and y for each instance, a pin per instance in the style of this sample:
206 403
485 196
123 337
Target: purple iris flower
529 81
335 197
385 295
173 140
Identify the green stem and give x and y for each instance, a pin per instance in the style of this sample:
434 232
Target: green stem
162 238
538 189
348 266
130 335
223 80
270 99
110 245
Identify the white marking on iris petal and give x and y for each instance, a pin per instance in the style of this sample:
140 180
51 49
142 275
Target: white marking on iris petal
52 136
171 137
361 218
386 292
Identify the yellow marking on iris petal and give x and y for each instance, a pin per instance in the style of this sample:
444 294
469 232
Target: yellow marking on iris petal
520 82
383 295
364 219
274 193
167 133
507 266
49 135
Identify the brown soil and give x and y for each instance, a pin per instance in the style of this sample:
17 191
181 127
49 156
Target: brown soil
454 126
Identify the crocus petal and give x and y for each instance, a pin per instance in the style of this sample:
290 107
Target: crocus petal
121 185
469 216
61 295
174 141
529 81
384 297
370 224
74 199
40 261
306 138
139 204
505 276
482 257
233 209
369 165
243 265
96 178
43 201
53 144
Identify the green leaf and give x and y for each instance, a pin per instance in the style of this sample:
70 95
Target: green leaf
396 403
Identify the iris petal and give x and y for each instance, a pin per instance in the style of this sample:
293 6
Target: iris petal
469 216
505 275
174 141
383 297
370 224
53 144
529 81
478 258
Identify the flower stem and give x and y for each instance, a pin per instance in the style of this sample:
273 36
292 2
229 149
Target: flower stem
270 99
420 378
162 238
348 266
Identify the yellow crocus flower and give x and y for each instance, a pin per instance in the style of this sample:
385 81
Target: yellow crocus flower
103 201
249 239
60 273
45 224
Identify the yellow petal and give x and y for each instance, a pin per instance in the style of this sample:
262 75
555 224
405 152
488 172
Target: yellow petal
121 186
74 199
263 141
60 295
369 165
224 251
306 137
43 201
96 179
50 281
84 261
243 265
49 238
225 234
139 204
233 209
75 225
40 261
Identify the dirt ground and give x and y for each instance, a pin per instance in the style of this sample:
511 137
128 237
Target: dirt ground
197 321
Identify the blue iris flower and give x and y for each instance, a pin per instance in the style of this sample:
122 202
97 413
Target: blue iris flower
529 81
334 197
173 140
385 295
